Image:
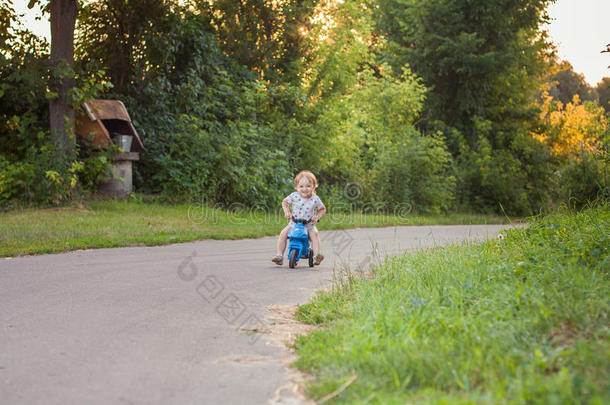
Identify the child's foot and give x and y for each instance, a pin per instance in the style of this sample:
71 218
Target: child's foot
318 259
277 259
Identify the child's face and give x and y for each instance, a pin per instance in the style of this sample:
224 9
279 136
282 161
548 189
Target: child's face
305 187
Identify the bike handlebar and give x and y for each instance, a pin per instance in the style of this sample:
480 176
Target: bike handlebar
300 220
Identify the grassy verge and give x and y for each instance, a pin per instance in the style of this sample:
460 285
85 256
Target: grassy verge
513 321
113 224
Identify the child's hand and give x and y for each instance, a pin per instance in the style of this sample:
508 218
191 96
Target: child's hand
287 215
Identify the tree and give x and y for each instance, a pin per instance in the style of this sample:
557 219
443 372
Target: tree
129 39
339 44
483 63
61 113
603 93
264 35
566 83
482 60
24 110
574 128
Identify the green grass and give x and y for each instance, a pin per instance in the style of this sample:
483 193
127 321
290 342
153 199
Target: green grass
523 320
109 223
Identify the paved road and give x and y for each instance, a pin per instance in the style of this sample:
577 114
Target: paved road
161 325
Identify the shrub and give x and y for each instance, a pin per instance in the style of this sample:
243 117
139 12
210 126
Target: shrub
583 180
221 165
578 137
418 172
373 143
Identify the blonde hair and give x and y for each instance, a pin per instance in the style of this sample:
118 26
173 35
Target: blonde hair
309 175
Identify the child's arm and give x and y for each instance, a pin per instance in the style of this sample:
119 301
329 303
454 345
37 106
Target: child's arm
286 207
321 212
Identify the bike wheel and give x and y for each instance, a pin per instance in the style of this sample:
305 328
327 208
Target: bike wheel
292 261
310 257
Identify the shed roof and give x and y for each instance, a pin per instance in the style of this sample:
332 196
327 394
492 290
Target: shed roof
102 118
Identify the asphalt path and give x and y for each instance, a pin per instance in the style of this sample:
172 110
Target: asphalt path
170 324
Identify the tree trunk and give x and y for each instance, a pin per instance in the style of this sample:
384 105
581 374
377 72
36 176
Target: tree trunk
63 20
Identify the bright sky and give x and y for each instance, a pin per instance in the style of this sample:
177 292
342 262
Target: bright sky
580 29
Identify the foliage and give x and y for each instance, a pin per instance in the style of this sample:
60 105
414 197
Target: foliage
23 78
581 181
566 83
574 128
226 165
210 129
126 38
472 54
371 155
30 172
265 36
520 319
483 62
374 143
429 105
25 150
340 42
578 135
603 93
494 180
405 167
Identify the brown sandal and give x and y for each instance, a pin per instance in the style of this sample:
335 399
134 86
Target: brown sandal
277 259
318 259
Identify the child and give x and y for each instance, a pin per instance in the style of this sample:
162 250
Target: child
305 205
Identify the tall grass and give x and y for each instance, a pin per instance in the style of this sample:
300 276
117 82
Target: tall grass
523 319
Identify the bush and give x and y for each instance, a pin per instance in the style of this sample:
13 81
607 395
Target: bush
512 180
492 179
418 172
223 165
578 136
15 179
38 179
372 144
581 181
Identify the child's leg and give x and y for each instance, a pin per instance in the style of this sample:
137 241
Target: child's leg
281 246
315 246
315 240
281 240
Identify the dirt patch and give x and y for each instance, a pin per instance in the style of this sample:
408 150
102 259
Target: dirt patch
283 328
282 331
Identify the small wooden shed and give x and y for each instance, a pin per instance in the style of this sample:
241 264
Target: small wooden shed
106 121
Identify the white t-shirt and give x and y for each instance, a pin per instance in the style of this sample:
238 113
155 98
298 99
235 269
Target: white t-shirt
304 208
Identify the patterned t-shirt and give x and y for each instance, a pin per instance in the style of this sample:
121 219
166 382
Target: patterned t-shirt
304 208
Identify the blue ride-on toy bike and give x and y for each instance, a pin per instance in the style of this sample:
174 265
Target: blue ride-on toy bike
299 243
